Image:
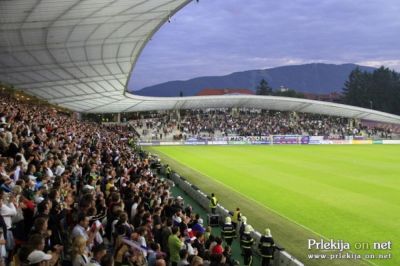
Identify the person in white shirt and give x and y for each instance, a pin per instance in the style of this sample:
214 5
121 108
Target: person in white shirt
7 208
81 229
7 211
134 207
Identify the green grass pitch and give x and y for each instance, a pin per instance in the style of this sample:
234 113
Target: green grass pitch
340 192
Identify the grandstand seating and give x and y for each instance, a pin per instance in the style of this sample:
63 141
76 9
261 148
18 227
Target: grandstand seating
217 124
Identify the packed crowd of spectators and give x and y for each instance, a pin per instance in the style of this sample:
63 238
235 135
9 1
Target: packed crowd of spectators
220 123
76 193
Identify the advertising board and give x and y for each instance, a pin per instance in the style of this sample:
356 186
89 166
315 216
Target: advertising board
195 143
355 141
218 142
170 143
261 142
234 142
316 140
286 139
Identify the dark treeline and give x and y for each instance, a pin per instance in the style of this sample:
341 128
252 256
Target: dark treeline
379 90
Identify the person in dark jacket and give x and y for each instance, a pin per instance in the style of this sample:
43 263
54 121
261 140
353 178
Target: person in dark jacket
266 247
228 231
246 243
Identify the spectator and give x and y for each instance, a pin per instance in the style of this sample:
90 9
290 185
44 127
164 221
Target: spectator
183 254
107 260
174 246
198 226
80 256
196 261
217 249
39 258
99 252
81 229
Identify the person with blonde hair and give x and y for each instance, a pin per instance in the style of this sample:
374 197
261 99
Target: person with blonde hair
80 256
207 233
196 261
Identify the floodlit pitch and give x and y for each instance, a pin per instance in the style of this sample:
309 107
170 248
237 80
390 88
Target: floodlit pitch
333 194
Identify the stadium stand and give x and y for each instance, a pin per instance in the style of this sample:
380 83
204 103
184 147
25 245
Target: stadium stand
218 124
77 193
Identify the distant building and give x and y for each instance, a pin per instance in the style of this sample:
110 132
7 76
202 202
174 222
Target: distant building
207 92
331 97
283 89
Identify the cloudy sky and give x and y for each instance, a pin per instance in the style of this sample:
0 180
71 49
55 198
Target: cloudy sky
217 37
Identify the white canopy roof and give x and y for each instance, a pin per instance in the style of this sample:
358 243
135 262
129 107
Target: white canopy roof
79 55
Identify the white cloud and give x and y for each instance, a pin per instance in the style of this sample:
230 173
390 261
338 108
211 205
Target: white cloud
392 64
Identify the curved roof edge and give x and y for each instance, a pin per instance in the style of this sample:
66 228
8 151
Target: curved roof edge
150 35
143 103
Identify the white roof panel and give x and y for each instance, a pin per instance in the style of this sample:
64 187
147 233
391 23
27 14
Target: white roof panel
92 45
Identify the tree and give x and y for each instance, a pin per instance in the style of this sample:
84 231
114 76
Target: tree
379 90
263 88
356 88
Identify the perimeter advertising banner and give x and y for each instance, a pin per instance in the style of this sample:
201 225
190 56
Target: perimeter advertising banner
195 143
305 140
218 142
389 141
278 139
262 142
239 142
149 143
286 139
316 140
354 141
171 143
340 141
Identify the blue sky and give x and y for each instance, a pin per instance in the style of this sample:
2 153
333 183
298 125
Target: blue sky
218 37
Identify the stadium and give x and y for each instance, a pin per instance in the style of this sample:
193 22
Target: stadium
92 174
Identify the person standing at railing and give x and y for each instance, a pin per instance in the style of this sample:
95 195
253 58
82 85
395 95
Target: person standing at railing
236 217
266 247
228 231
213 203
246 243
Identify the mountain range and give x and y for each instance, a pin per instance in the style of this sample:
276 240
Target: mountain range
317 78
